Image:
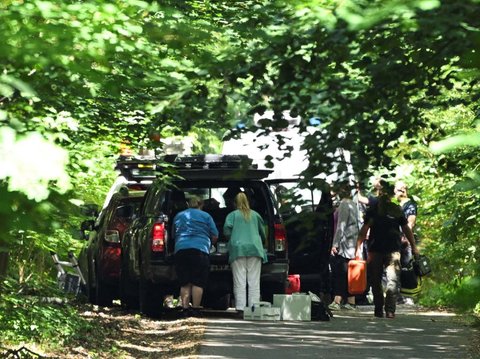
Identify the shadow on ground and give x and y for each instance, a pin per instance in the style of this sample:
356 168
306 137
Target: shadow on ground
127 335
412 334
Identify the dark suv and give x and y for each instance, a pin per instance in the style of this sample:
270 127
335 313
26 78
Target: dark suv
99 259
148 273
308 216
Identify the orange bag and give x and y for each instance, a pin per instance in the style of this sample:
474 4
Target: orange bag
357 276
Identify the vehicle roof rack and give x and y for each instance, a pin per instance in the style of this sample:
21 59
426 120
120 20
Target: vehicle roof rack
137 168
141 168
210 161
213 174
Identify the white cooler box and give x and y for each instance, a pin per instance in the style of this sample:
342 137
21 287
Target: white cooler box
261 311
296 306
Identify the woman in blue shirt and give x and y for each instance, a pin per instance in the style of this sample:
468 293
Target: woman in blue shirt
194 230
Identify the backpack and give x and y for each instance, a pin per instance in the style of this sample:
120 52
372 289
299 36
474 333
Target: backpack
319 311
421 265
411 284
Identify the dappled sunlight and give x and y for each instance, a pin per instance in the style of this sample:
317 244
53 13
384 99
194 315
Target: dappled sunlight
141 337
355 335
437 314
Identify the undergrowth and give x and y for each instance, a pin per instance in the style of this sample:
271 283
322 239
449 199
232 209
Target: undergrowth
26 317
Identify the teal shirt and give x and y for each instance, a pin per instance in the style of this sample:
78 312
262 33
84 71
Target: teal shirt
246 238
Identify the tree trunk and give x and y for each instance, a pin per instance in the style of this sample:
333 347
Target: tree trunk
3 265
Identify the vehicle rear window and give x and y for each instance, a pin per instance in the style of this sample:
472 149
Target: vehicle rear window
220 196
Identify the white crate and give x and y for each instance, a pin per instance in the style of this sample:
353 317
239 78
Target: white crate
296 306
261 311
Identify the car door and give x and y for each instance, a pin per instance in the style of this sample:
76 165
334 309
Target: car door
309 227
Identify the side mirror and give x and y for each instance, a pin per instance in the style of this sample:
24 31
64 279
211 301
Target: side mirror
90 210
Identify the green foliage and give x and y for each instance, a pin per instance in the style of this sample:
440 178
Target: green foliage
359 16
27 319
448 209
386 78
461 294
467 296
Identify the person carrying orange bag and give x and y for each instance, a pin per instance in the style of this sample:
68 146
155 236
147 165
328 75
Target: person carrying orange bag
384 221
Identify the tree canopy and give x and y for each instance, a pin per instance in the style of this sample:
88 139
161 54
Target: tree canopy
394 82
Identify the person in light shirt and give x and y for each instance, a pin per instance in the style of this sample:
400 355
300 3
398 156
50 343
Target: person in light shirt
245 230
343 248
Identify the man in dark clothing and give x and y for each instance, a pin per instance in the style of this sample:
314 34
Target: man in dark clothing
384 222
372 199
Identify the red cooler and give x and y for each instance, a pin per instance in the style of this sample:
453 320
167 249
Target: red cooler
293 284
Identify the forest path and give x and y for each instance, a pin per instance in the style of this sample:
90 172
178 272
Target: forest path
415 333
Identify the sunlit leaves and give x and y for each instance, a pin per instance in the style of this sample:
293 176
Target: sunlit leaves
10 84
455 142
314 13
364 14
23 164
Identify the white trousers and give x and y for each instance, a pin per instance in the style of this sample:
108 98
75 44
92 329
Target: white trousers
246 271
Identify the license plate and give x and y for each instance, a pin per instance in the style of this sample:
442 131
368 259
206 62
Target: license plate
219 267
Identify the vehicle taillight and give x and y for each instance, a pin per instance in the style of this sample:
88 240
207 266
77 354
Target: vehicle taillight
280 237
158 237
112 236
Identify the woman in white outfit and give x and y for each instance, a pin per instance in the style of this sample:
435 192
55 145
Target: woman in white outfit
246 233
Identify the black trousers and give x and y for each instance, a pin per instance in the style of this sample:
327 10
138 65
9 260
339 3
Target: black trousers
339 267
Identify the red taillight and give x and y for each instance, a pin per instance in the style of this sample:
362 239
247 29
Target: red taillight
280 237
158 237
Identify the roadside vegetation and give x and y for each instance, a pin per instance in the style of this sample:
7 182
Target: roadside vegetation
394 82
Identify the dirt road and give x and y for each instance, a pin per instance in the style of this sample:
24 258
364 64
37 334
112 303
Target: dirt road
413 334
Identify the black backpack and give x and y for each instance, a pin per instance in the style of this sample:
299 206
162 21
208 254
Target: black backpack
320 312
421 265
410 282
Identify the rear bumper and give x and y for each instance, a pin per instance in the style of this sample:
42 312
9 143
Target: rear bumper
276 272
163 272
160 272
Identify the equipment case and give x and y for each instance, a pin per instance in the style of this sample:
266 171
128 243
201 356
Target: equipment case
296 306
